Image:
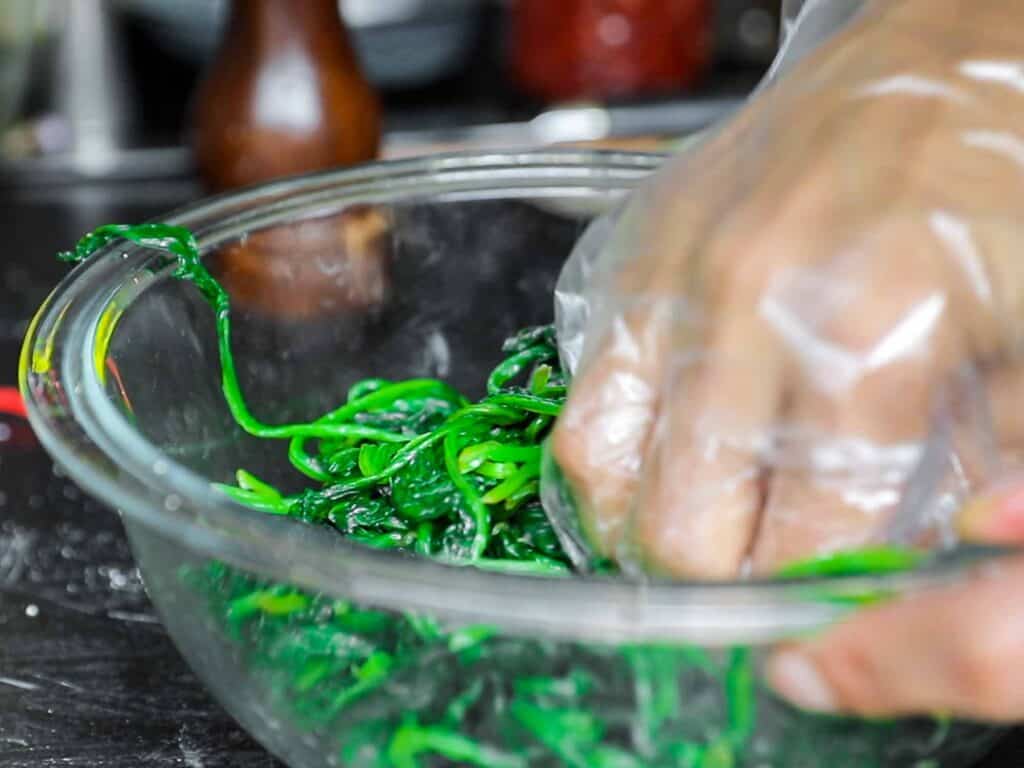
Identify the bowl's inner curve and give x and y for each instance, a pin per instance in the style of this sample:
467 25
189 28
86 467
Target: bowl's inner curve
318 306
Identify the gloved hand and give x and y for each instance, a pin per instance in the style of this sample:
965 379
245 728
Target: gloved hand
765 338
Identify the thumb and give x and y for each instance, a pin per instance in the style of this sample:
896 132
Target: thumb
908 657
957 650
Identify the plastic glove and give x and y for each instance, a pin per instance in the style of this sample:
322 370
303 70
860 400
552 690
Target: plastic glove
768 338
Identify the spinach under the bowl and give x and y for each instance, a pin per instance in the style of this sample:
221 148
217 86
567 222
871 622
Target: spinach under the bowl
416 466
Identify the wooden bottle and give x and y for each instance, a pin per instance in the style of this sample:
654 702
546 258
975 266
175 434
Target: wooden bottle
284 95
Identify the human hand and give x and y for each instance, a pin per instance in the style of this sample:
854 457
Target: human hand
774 316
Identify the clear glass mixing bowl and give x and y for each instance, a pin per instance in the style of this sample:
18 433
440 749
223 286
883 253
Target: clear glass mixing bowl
352 656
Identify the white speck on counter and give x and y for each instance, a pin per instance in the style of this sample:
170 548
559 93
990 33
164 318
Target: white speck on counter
31 610
22 684
193 757
141 618
118 578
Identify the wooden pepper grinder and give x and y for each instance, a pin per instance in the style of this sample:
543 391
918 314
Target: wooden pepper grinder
284 95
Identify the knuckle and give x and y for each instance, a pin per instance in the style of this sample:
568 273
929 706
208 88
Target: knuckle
862 331
854 676
741 270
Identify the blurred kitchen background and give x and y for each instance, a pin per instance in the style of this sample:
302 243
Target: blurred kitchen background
108 88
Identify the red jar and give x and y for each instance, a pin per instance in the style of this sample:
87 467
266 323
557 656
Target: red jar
572 49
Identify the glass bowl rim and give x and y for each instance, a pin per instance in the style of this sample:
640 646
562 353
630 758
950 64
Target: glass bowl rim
99 450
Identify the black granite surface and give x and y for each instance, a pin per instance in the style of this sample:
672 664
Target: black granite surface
88 678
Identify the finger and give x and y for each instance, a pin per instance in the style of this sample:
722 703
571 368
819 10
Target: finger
868 363
644 277
600 437
840 471
1005 386
910 658
996 516
700 496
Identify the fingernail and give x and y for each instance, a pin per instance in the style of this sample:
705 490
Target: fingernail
996 517
796 678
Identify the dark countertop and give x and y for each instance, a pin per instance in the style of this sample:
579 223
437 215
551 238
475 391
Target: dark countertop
88 678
